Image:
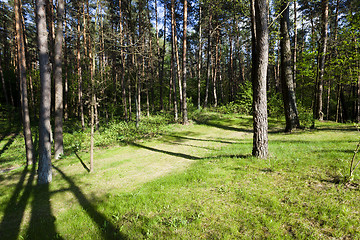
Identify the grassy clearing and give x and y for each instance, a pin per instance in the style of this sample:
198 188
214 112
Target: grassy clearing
196 181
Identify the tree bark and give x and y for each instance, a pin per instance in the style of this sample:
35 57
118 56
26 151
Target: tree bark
58 134
208 77
79 68
260 47
184 105
288 91
322 55
173 56
3 83
44 168
295 45
23 85
199 60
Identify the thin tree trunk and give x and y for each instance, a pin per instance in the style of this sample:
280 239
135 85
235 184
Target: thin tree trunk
260 46
178 64
3 84
325 14
44 168
289 98
216 69
295 46
162 64
173 50
184 105
80 97
58 134
66 84
23 86
199 60
208 77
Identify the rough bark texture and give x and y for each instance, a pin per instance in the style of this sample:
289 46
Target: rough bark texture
58 133
287 81
23 86
260 47
44 168
185 115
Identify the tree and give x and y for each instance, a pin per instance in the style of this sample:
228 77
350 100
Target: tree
287 81
321 60
260 47
184 105
23 85
44 168
58 133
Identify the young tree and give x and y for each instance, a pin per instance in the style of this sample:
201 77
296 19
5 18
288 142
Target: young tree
23 85
58 133
287 81
44 168
260 48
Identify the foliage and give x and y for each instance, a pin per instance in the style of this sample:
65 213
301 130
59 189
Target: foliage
118 132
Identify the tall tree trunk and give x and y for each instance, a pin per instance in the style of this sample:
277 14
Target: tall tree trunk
3 83
322 55
173 56
23 86
44 168
260 47
199 60
79 67
295 45
122 56
289 98
184 105
162 62
66 83
216 65
58 134
208 77
178 63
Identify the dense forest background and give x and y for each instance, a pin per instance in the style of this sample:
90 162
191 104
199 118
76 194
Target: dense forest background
128 59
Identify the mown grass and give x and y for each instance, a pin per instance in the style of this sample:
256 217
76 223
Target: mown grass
195 182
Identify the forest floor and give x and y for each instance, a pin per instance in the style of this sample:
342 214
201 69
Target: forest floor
195 181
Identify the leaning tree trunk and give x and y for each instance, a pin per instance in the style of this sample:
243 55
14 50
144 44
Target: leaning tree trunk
44 168
58 134
23 86
260 48
287 81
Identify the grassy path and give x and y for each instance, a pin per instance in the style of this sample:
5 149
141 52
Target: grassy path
196 182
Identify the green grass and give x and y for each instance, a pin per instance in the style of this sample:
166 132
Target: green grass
194 182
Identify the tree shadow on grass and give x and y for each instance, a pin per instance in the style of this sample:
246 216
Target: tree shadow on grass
8 144
82 162
224 127
182 155
202 140
14 211
108 230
